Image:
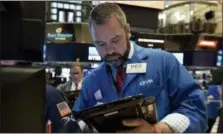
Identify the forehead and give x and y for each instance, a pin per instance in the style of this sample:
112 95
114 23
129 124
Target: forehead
75 69
106 31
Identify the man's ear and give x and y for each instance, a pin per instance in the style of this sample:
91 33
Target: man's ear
128 31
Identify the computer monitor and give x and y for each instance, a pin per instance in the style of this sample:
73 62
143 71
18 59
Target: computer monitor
22 100
93 54
61 52
210 58
60 32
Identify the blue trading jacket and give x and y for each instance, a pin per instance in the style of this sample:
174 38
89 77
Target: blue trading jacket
165 78
60 124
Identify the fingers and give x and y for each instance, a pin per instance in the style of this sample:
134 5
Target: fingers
211 97
140 129
128 131
134 122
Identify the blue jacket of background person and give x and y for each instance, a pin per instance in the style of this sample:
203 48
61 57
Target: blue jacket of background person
166 79
213 106
60 124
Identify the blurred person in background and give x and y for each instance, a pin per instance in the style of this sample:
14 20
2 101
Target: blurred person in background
71 89
49 78
75 82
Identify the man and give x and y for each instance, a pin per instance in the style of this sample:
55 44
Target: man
75 83
70 89
58 113
128 70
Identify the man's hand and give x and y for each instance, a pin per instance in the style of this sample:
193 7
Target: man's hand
142 126
210 98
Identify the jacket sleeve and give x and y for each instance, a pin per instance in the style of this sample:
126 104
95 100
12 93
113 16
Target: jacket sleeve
60 124
186 96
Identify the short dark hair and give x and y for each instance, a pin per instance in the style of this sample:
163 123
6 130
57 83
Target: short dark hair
77 64
102 12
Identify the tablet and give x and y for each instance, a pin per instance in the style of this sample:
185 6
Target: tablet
107 118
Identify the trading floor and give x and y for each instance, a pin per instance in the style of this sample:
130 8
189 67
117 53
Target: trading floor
111 67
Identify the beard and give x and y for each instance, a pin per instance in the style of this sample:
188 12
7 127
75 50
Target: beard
120 60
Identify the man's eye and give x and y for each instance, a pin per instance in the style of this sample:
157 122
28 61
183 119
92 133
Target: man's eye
116 41
100 44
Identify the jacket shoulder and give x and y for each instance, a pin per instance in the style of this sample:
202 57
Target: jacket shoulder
94 74
154 53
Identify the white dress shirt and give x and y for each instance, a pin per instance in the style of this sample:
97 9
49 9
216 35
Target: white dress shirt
73 86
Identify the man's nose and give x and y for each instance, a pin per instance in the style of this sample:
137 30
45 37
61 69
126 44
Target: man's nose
109 49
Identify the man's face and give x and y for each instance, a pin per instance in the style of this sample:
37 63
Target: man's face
111 40
76 74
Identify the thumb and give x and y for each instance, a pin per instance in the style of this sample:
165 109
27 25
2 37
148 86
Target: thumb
133 122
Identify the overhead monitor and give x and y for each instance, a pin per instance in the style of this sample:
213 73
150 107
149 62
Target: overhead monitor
93 54
205 59
179 56
208 43
60 32
65 72
60 52
151 43
219 58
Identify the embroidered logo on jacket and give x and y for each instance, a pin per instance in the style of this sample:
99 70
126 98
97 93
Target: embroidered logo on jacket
143 83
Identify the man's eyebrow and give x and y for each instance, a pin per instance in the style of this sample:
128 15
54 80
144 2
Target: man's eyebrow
117 36
98 42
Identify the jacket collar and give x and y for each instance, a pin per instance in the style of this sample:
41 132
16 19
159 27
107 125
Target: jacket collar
138 56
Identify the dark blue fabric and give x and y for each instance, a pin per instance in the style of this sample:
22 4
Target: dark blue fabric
213 107
59 124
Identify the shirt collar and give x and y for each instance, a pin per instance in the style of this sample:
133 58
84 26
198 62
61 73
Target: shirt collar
78 83
131 51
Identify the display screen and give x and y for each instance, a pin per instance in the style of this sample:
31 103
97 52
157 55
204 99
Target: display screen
65 72
179 56
196 58
219 58
207 43
60 52
204 58
60 32
93 54
67 52
150 43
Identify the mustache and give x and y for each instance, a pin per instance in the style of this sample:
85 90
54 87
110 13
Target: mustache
112 55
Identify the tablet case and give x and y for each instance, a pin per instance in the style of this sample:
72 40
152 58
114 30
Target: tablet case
108 117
